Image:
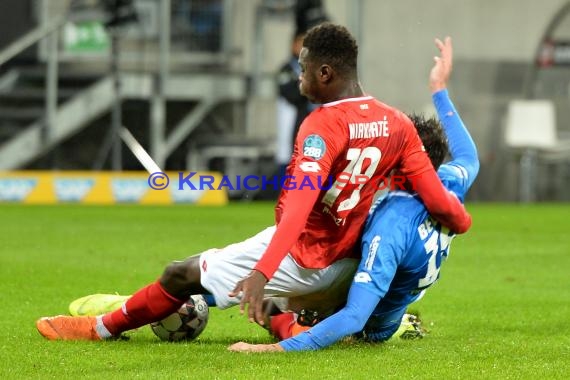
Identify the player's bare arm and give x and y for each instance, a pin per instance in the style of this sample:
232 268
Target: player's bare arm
247 347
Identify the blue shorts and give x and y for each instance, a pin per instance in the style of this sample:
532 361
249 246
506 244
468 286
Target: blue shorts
381 326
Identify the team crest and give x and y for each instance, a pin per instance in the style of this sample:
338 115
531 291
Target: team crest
314 146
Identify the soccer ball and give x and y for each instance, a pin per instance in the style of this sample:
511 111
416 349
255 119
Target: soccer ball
186 323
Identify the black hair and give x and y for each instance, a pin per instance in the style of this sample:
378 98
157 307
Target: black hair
433 137
332 44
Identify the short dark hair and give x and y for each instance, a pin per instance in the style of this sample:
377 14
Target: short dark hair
334 45
433 137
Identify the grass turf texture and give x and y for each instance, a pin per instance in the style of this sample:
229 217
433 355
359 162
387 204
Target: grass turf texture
499 311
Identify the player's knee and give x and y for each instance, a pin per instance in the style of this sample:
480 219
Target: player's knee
182 278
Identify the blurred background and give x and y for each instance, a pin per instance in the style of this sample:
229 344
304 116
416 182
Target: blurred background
196 82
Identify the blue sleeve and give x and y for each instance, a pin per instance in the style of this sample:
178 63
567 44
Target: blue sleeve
461 146
351 319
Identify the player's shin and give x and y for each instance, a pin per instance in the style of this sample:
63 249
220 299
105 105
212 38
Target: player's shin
149 304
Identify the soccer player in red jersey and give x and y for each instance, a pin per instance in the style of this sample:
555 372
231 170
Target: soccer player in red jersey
353 139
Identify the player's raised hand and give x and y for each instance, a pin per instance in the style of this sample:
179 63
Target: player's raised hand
252 288
441 70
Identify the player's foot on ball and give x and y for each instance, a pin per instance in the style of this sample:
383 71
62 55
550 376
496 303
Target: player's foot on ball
63 327
96 304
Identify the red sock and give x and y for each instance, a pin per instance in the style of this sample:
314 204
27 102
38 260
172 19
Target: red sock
281 325
151 303
296 329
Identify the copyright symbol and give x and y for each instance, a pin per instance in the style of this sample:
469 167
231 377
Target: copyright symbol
158 181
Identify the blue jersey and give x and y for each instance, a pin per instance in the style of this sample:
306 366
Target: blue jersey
402 249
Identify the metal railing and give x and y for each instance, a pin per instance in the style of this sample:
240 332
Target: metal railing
33 36
50 32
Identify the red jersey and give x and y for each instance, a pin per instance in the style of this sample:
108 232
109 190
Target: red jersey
342 152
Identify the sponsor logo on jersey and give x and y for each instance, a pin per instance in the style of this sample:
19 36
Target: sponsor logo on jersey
362 277
314 146
310 167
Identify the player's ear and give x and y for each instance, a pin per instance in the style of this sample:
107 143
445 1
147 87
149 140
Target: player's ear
325 73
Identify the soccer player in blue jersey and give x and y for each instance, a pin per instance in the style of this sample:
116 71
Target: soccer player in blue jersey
402 246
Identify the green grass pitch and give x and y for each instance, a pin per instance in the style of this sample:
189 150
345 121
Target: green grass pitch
501 309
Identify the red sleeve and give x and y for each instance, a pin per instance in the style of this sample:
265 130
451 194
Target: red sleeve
299 205
440 203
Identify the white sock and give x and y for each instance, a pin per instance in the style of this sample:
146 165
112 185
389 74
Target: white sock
101 329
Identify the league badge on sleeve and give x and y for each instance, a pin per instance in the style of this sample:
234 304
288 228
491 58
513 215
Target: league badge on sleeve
314 147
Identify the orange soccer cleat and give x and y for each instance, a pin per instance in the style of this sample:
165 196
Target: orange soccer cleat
63 327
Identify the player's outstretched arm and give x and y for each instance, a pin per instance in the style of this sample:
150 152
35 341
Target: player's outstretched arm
462 148
350 320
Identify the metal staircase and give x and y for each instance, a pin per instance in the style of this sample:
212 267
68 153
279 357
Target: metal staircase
80 98
43 106
39 106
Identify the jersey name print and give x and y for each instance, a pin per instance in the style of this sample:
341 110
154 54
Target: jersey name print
369 130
